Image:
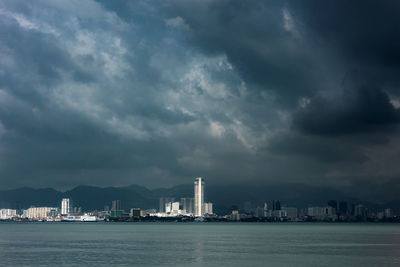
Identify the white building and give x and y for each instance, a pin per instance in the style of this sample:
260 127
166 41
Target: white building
39 212
164 201
66 206
175 206
208 208
6 214
172 209
198 197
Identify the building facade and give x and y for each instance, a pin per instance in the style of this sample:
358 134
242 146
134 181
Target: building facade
66 205
39 212
208 208
163 202
187 205
198 197
7 214
116 205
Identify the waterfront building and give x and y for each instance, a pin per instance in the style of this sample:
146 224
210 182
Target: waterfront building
333 204
168 207
172 209
279 214
265 209
7 214
163 202
40 212
259 212
187 205
208 208
291 212
198 197
148 212
116 213
360 212
235 216
322 213
276 205
135 212
175 206
116 205
316 212
66 206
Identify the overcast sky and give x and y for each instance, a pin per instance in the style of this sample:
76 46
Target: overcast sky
156 93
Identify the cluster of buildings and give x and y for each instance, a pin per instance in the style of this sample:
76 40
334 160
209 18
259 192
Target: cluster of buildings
333 211
197 209
169 208
192 207
65 213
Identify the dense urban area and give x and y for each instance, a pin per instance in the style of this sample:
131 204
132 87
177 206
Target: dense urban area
196 209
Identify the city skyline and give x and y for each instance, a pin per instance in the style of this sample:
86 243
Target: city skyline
199 133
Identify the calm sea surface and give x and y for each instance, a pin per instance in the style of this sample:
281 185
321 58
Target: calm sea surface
199 244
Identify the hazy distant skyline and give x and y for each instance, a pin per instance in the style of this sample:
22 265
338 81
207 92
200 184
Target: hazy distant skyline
156 93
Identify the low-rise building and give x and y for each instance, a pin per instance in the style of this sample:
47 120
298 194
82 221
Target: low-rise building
135 213
40 212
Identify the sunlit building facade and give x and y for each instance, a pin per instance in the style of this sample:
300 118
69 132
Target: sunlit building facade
66 206
198 197
39 212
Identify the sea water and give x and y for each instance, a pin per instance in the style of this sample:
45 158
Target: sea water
199 244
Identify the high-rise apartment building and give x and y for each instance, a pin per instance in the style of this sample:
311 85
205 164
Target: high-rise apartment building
164 201
198 197
276 205
66 206
187 205
208 208
116 205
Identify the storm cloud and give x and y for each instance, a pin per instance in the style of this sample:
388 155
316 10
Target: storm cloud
158 92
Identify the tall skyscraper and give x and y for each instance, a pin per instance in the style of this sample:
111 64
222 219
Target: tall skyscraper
66 206
198 197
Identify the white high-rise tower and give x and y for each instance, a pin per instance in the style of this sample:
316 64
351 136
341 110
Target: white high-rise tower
66 206
198 197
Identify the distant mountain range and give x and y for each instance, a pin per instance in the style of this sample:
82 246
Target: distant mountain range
223 196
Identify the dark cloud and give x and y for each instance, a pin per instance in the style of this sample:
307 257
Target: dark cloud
260 38
366 31
121 92
360 110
